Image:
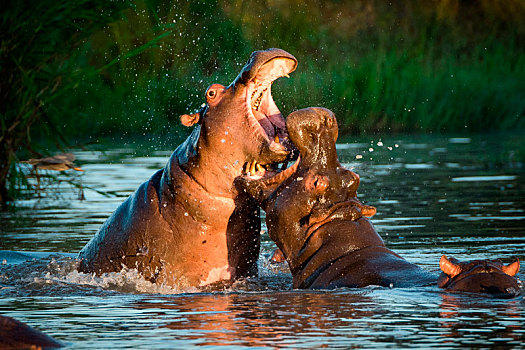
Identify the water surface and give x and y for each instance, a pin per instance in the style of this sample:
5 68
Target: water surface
455 195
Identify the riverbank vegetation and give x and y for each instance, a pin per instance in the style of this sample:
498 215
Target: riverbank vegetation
77 70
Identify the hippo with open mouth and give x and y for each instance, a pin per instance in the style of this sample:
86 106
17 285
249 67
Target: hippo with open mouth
187 225
322 229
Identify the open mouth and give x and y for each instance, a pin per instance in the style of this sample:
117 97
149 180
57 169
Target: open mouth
263 115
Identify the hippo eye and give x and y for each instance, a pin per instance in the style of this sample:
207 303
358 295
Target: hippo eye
211 93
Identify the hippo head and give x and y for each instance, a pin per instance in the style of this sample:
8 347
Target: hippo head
315 190
480 276
241 122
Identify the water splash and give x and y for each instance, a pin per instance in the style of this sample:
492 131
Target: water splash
57 274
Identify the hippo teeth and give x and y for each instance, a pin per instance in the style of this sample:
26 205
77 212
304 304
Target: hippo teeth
257 101
255 169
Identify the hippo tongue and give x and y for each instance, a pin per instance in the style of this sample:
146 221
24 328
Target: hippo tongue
265 123
269 116
273 113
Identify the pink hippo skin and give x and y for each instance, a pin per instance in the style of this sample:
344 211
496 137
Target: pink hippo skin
187 226
316 220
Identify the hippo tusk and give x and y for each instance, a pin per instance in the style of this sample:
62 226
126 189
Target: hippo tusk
511 269
252 167
449 267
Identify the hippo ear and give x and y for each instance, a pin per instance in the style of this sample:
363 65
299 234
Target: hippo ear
190 119
449 267
368 210
511 269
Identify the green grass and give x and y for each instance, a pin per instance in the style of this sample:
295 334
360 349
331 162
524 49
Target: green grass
382 67
399 91
74 71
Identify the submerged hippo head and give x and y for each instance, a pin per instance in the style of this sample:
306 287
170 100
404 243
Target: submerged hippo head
312 195
480 276
240 122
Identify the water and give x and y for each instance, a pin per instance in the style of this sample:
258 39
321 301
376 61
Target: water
460 196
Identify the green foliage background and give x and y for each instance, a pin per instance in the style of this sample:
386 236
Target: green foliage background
118 68
405 66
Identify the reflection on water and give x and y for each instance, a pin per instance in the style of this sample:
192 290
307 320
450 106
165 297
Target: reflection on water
462 196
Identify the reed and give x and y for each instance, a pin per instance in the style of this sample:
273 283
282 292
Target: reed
37 42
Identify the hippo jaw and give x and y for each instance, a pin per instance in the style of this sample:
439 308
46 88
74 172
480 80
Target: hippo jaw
264 120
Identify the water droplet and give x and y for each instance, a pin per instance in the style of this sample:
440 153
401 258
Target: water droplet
223 140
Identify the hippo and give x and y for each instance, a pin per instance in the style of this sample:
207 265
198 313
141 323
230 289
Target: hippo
18 335
323 230
187 226
479 276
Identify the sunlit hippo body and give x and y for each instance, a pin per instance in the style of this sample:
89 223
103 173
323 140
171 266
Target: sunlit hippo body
316 220
186 225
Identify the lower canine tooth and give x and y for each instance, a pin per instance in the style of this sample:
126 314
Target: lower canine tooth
276 138
252 167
